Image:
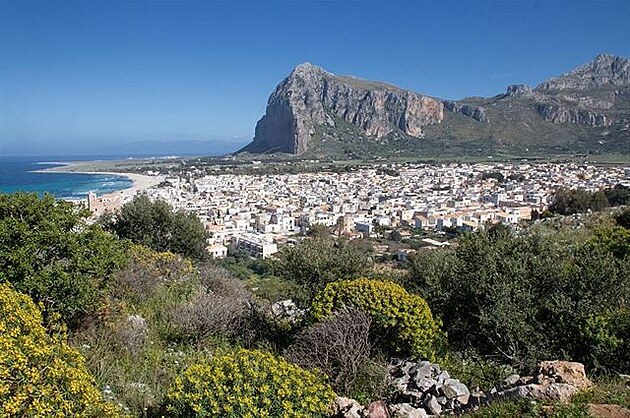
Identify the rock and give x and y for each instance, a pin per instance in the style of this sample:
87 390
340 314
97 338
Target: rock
423 371
519 90
425 384
377 409
604 70
432 405
560 114
454 389
477 113
568 372
310 98
312 108
347 408
401 383
510 381
477 398
405 410
608 411
406 367
286 310
560 392
413 396
531 391
443 377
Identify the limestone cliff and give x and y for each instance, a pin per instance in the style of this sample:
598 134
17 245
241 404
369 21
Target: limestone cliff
604 70
315 110
560 114
569 98
310 97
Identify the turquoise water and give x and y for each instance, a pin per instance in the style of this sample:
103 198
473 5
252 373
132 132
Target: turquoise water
17 174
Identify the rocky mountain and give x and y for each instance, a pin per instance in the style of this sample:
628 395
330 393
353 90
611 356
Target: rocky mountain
315 112
311 97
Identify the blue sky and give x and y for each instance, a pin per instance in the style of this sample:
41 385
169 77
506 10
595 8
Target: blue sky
76 73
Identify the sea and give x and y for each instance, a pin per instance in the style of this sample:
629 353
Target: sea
22 174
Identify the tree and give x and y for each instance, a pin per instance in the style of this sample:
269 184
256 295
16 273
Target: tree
570 201
623 218
318 231
395 235
49 252
315 262
618 195
158 226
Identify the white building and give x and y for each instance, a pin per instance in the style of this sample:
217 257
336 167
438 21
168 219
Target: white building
255 246
217 251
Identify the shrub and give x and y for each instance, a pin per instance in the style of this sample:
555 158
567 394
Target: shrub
623 218
618 195
40 375
607 337
211 314
147 271
221 306
526 297
248 383
403 324
339 346
48 252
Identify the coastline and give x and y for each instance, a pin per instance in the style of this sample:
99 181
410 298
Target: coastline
140 182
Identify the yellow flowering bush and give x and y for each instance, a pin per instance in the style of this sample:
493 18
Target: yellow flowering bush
248 383
161 264
41 375
403 323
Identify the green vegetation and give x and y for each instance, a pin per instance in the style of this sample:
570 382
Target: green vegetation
570 201
248 383
157 226
623 218
522 298
40 374
316 262
403 324
165 334
618 195
49 252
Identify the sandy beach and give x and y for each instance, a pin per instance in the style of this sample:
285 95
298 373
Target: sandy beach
140 181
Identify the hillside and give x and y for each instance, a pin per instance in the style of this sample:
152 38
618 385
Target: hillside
314 112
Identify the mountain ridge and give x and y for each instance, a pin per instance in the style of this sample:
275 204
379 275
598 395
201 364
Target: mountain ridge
313 111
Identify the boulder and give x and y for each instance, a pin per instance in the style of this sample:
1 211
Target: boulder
347 408
454 389
560 392
432 405
571 373
377 409
510 381
405 410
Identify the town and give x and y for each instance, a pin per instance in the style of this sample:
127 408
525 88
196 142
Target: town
256 213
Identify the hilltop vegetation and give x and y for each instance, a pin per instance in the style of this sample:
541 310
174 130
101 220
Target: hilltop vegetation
153 333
